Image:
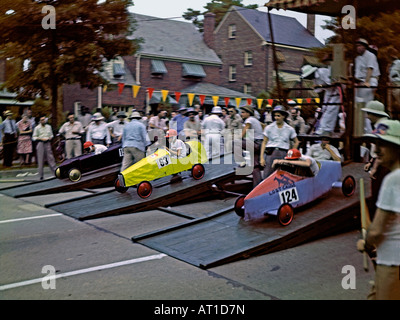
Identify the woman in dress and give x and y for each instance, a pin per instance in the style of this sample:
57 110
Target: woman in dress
24 146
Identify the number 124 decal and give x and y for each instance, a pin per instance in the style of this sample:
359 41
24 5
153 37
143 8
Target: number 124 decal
289 195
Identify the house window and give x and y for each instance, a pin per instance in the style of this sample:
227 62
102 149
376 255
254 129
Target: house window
193 70
232 73
248 58
232 31
247 88
158 67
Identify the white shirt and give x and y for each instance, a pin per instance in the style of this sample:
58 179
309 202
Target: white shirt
363 63
318 153
99 148
179 145
388 251
98 132
255 125
314 165
117 127
279 137
213 124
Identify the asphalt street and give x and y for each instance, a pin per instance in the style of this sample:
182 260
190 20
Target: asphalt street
45 255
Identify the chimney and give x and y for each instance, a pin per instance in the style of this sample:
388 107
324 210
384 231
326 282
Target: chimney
209 25
311 23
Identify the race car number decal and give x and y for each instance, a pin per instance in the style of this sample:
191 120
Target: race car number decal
121 152
289 195
163 161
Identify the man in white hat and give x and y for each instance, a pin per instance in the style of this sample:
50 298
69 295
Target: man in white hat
116 127
384 232
97 131
211 128
134 141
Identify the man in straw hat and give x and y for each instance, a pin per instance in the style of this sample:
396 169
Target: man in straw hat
366 73
278 137
134 141
384 231
97 131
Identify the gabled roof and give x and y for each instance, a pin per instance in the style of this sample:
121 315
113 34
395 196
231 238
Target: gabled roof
287 30
169 39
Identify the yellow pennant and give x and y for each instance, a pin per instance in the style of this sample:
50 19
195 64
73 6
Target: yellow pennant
215 99
104 88
135 90
317 100
164 94
259 103
238 102
190 97
299 101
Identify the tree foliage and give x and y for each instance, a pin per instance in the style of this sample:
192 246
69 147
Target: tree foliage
86 32
218 7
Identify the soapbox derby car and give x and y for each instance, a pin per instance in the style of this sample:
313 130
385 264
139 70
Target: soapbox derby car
283 191
160 164
74 168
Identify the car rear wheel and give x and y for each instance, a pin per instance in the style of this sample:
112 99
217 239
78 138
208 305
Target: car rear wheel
119 188
348 186
198 171
238 206
285 214
144 189
74 175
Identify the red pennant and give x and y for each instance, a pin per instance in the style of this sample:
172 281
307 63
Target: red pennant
120 87
177 96
308 100
226 99
150 92
202 98
270 101
249 101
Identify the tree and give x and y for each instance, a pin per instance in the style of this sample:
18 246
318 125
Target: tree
218 7
61 42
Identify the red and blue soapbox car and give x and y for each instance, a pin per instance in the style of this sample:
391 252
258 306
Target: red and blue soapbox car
286 189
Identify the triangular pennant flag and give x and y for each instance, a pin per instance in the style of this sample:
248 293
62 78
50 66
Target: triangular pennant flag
238 102
177 96
104 89
259 103
202 97
317 100
299 101
120 87
227 99
164 94
215 100
270 101
308 100
135 90
249 101
150 92
190 97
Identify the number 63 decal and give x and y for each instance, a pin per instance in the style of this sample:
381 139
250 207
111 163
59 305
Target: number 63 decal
289 195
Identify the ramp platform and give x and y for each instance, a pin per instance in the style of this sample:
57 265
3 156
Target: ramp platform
164 194
97 178
223 237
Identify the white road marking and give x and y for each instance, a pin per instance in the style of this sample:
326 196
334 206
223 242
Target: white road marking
81 271
31 218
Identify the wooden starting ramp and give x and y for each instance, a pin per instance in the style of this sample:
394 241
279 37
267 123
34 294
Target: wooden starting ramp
165 193
223 237
98 178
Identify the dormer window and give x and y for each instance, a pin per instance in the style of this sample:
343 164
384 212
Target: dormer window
118 69
232 31
158 67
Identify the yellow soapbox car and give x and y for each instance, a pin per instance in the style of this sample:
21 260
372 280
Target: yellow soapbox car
159 164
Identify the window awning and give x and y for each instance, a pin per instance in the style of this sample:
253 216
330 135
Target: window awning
158 66
193 70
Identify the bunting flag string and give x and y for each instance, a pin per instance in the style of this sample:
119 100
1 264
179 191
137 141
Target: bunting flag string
215 99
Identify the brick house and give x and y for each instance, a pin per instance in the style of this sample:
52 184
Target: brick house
243 42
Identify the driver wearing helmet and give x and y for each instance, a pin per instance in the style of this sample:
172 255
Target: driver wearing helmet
177 147
295 158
